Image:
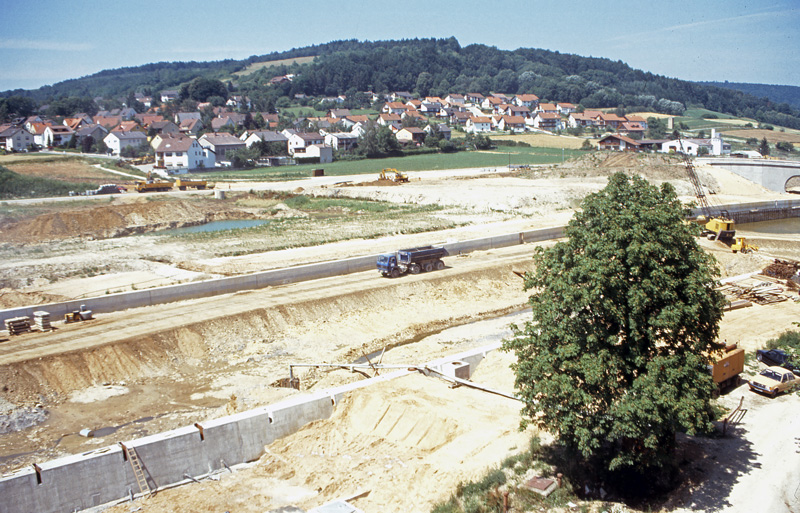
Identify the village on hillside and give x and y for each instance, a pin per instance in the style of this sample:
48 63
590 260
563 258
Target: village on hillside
161 130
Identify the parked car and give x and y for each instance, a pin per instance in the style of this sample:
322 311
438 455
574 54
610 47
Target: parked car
778 358
774 380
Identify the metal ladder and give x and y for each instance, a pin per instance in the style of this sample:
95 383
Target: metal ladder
138 471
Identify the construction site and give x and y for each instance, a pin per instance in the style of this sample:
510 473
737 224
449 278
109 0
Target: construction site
264 371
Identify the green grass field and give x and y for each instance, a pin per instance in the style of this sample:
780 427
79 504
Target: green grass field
499 157
268 64
304 112
694 119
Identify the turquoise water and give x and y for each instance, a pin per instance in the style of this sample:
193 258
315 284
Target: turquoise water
215 226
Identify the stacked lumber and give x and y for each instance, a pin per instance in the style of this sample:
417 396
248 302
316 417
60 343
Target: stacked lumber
762 293
18 325
41 320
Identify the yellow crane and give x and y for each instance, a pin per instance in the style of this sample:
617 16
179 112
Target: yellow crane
716 227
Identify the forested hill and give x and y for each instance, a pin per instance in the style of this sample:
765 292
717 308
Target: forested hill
435 67
776 93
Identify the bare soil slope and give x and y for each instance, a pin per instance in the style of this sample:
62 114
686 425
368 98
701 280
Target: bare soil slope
115 220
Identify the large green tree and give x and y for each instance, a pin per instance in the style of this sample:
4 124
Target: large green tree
624 314
201 89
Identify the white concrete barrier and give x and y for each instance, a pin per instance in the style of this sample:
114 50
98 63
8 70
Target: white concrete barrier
104 475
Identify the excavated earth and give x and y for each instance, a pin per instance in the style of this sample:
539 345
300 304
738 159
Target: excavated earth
141 371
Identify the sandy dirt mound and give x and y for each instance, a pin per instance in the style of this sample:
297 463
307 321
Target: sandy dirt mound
115 220
653 166
10 298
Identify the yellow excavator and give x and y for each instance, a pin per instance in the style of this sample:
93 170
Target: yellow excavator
393 174
718 226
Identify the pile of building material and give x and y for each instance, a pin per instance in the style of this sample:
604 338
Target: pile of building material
759 289
782 269
18 325
41 320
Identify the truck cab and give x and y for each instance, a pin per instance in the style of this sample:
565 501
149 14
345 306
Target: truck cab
387 265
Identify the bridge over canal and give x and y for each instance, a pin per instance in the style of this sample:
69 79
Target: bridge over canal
772 174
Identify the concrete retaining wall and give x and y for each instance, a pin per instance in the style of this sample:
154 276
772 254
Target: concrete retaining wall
171 293
105 475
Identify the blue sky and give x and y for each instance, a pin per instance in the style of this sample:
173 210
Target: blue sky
47 41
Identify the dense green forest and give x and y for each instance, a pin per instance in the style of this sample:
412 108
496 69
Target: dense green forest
776 93
428 67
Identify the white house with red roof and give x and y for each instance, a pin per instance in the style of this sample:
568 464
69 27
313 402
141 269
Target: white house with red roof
549 108
632 118
527 100
565 108
411 135
179 153
579 119
511 124
393 121
300 141
617 142
474 98
491 103
478 124
56 135
547 121
394 108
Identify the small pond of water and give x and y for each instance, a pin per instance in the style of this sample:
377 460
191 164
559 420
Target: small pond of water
214 226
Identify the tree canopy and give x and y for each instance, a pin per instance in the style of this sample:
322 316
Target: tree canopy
201 89
624 316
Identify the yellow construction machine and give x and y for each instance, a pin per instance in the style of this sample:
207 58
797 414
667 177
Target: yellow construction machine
393 174
742 246
718 226
147 159
78 315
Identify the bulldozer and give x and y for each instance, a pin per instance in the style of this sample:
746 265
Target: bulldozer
742 246
393 174
78 315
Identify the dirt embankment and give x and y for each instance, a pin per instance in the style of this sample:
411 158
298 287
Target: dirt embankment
116 220
210 361
656 167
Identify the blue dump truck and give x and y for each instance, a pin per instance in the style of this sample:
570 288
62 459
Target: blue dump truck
414 260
